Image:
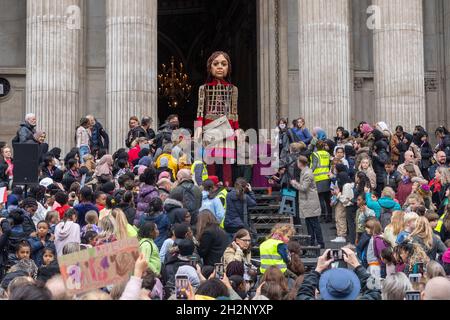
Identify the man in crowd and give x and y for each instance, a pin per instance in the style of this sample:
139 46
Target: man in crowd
27 130
99 137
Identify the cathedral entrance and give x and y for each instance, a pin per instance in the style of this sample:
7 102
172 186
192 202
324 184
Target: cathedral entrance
189 31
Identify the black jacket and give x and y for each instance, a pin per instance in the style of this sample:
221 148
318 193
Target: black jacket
380 160
392 180
234 215
4 179
133 134
213 243
4 238
311 283
28 225
25 133
174 210
99 138
169 271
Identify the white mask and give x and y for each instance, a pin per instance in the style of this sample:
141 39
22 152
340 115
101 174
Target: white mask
282 126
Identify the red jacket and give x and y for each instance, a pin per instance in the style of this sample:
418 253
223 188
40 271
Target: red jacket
62 210
133 154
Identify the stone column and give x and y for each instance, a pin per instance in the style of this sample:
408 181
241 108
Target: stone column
447 58
54 64
325 76
131 64
399 64
272 62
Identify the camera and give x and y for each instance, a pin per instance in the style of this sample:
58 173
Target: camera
336 254
181 287
193 261
220 270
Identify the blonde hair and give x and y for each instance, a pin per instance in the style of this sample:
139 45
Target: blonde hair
388 192
121 224
397 222
419 255
423 230
108 226
296 147
285 230
96 295
445 175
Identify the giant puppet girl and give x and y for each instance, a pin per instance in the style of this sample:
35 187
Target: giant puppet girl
217 112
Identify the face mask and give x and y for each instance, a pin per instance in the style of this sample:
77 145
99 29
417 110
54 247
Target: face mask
282 126
145 146
175 125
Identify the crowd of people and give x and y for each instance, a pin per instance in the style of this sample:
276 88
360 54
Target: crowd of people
388 191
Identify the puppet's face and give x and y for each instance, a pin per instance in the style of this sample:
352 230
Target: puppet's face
219 68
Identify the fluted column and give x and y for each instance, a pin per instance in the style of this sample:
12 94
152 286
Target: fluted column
131 67
399 64
447 57
54 63
325 74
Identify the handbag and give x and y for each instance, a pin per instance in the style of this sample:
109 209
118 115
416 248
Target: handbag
217 131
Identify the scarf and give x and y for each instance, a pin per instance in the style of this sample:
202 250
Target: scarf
104 166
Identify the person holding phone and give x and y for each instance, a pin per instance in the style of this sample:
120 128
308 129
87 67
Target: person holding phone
239 200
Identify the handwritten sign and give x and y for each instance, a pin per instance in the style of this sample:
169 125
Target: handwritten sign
99 267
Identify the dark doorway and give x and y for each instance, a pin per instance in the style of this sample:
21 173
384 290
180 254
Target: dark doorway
190 30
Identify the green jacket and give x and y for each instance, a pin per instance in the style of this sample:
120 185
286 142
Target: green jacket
151 254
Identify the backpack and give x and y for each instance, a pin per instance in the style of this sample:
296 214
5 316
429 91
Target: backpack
385 245
385 217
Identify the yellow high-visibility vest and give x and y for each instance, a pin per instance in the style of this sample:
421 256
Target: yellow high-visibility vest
204 170
270 257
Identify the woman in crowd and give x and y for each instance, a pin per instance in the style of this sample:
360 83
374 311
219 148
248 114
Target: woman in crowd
393 229
6 167
108 225
67 231
83 136
210 202
425 237
308 201
274 251
239 200
409 255
212 239
124 230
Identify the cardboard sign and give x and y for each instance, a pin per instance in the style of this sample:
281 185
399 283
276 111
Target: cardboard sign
3 195
99 267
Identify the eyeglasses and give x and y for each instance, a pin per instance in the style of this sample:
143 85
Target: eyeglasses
246 240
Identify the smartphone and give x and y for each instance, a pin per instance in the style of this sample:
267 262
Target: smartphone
412 295
181 287
336 254
193 261
420 268
220 270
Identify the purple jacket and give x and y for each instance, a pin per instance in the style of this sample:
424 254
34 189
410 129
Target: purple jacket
146 194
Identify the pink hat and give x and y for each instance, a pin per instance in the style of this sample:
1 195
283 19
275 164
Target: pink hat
164 175
446 257
366 128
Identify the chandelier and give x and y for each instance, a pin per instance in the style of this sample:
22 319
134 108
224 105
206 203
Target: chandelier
173 84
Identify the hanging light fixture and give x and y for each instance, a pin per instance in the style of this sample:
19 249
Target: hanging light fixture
174 84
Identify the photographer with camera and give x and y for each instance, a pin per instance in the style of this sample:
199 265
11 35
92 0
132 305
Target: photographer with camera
339 283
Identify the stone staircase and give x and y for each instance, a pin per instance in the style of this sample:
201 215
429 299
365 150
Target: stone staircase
266 215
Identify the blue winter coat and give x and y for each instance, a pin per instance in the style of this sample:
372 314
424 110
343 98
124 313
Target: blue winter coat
234 216
214 205
37 249
162 221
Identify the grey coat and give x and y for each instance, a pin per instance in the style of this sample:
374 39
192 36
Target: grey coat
308 198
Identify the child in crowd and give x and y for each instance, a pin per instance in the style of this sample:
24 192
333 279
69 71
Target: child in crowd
52 218
388 259
91 219
23 252
362 215
89 238
376 245
148 232
433 219
409 226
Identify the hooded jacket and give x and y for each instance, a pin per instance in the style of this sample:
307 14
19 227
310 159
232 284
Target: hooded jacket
25 133
37 248
66 232
146 194
162 222
174 210
379 160
382 203
234 216
4 237
214 205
